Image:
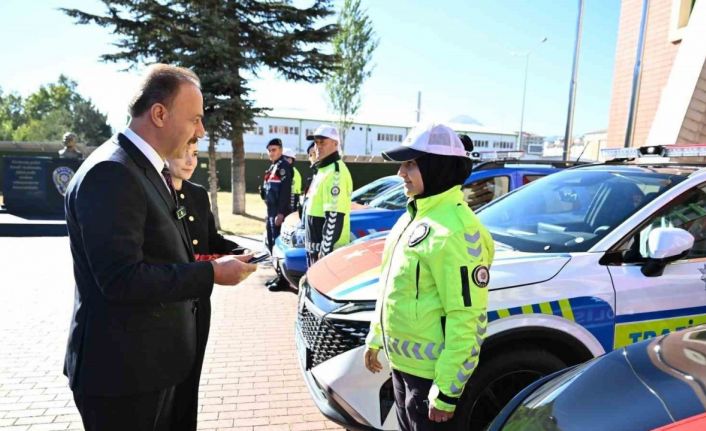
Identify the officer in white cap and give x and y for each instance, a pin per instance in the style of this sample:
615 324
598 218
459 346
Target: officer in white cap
434 277
328 201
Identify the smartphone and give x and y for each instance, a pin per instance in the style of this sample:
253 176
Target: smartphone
259 258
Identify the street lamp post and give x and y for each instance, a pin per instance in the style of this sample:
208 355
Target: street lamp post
524 94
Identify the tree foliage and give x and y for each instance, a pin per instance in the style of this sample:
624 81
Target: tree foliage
51 111
224 42
353 46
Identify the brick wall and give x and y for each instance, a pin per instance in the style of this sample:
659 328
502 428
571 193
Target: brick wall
658 57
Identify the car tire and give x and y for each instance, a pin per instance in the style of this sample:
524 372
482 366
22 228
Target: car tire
499 378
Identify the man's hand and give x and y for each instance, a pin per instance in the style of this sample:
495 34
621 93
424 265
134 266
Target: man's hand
371 360
279 219
436 415
231 270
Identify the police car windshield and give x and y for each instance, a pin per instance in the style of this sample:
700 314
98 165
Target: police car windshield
571 210
374 189
392 199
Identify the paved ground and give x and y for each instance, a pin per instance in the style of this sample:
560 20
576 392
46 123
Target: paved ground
250 379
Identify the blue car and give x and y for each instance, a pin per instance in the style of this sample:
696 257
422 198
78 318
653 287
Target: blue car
657 384
488 181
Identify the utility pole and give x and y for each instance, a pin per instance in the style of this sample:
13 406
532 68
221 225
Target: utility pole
419 105
572 89
524 93
636 76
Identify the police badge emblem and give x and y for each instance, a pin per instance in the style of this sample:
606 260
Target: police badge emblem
335 191
481 276
61 178
418 234
282 172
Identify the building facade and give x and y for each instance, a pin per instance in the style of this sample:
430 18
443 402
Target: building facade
362 139
671 97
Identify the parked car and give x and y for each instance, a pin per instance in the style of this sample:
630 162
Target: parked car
660 382
370 191
590 259
488 181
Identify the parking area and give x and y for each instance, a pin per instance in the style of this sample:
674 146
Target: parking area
251 380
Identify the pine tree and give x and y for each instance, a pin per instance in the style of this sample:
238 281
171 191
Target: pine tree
223 42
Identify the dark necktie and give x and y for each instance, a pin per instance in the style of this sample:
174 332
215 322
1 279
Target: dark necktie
168 178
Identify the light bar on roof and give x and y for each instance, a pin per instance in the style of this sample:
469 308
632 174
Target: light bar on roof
654 151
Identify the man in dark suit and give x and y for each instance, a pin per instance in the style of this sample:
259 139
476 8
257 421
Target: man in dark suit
133 335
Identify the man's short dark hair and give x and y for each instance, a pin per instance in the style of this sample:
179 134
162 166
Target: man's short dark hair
310 147
275 141
160 85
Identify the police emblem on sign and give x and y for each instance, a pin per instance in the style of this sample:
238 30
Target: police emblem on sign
481 276
418 234
61 177
335 191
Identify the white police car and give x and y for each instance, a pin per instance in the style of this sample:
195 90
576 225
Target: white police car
587 260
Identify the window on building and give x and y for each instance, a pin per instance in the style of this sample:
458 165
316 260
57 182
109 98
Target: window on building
681 12
284 130
390 137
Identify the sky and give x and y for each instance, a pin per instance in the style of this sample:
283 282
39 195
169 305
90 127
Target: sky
466 57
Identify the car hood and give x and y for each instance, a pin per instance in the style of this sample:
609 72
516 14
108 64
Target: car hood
352 273
642 386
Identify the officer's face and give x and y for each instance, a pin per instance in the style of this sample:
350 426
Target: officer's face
324 147
181 121
274 152
312 155
413 184
183 166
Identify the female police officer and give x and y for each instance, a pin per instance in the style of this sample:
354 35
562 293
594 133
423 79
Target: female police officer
207 244
431 314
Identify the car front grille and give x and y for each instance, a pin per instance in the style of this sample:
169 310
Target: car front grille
326 338
286 236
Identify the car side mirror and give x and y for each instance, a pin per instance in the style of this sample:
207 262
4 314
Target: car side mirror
665 245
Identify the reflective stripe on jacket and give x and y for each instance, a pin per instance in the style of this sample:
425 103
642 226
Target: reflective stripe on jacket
431 315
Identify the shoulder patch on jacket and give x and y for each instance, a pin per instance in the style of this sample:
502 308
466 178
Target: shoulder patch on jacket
282 172
481 276
418 234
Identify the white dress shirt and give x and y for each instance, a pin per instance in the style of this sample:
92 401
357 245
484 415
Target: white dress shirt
149 152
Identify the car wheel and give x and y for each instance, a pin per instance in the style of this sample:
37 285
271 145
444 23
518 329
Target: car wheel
498 379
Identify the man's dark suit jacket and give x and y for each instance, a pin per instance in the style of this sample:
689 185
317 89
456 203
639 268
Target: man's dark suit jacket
133 327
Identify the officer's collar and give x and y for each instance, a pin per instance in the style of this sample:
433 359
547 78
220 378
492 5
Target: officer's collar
334 157
423 205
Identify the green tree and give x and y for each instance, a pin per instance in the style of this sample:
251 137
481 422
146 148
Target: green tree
51 111
11 114
354 46
224 42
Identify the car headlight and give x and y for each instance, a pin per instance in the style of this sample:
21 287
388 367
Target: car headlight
298 238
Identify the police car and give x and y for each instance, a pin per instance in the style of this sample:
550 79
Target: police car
488 181
589 259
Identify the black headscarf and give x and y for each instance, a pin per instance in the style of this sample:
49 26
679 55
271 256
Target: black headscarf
440 173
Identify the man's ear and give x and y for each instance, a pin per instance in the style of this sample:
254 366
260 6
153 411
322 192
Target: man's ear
158 114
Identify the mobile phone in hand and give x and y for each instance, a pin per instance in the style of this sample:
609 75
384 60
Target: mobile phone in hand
259 258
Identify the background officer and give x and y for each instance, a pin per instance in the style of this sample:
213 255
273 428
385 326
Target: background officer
276 192
431 316
70 151
328 202
291 156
